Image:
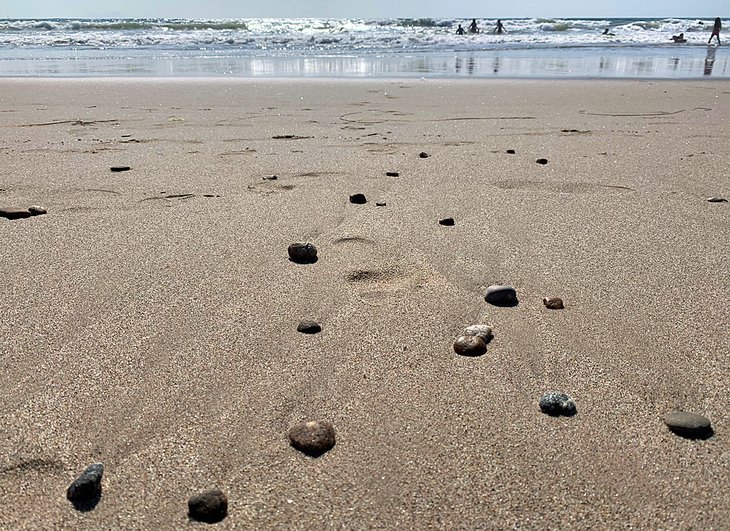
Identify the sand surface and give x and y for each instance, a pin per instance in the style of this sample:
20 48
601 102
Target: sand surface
153 328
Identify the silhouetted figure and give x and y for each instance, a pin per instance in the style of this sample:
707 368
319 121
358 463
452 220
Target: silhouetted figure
460 30
606 32
473 26
716 31
499 30
679 38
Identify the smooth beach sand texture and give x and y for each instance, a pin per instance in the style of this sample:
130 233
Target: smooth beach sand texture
149 319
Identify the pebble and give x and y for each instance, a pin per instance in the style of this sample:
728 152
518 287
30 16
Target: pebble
689 425
553 303
470 346
482 331
313 438
380 204
86 489
500 295
511 151
392 173
556 404
270 177
309 327
542 161
210 506
120 168
302 253
717 199
36 210
358 199
14 213
423 155
449 222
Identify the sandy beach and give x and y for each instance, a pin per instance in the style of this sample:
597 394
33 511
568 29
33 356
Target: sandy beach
149 319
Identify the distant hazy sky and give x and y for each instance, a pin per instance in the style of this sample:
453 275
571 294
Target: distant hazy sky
360 9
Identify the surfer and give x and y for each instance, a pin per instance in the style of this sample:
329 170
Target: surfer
473 26
679 38
606 32
716 31
460 30
499 30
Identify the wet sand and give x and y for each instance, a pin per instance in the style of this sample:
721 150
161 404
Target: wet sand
149 319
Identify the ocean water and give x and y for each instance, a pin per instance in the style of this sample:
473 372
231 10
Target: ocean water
638 48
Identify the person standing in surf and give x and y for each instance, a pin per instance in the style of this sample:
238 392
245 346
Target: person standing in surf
716 31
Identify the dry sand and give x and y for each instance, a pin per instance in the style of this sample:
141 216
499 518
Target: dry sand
157 333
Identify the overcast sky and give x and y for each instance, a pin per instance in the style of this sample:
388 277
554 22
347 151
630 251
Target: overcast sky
359 9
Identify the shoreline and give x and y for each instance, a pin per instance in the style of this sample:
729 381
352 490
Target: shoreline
150 317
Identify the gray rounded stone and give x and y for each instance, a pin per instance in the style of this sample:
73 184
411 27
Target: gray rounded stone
210 506
302 253
313 438
470 346
309 327
14 213
689 425
553 303
358 199
85 491
482 331
556 404
717 200
501 295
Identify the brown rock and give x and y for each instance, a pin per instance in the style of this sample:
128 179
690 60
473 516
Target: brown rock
553 303
313 438
470 346
210 506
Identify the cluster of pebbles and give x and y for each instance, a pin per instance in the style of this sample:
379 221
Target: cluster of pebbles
475 338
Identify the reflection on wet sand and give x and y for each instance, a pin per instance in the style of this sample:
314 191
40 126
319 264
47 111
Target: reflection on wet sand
710 60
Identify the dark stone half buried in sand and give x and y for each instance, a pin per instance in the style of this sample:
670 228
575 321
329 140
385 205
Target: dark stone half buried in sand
511 151
423 155
448 222
302 253
542 161
556 404
470 346
358 199
14 213
392 173
689 425
270 177
37 210
309 327
553 303
85 491
380 204
117 169
716 199
312 438
501 295
482 331
210 506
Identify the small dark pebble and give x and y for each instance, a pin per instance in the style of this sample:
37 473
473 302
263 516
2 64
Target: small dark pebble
470 346
210 506
85 491
120 168
511 151
37 210
556 404
270 177
542 161
302 253
14 213
553 303
309 327
313 438
392 173
689 425
380 204
717 200
123 136
501 295
447 222
358 199
423 155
